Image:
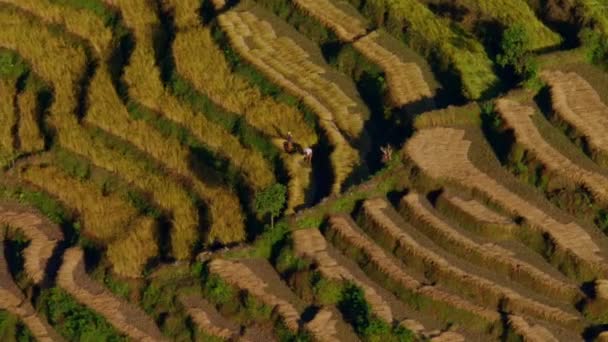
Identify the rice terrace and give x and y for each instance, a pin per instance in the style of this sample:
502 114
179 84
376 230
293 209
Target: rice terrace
304 170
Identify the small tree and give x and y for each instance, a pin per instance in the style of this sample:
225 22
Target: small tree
271 201
516 55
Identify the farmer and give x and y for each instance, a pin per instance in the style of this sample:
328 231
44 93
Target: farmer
308 155
288 145
387 153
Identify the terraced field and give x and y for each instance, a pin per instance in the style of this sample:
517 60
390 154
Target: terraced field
156 182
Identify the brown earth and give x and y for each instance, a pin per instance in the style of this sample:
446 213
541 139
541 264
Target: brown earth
208 319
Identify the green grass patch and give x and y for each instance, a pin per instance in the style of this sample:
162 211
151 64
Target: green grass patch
74 321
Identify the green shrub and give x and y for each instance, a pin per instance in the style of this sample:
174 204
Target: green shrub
327 292
11 329
217 290
74 321
596 47
515 54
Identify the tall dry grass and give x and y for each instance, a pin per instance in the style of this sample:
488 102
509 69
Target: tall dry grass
284 59
30 135
47 53
202 62
107 112
143 78
132 250
78 21
104 216
8 117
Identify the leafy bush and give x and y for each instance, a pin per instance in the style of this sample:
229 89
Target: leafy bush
13 330
217 290
74 321
515 54
596 47
327 292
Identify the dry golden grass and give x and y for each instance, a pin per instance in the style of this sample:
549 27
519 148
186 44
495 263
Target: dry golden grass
30 136
13 300
43 235
490 293
442 154
530 332
578 104
47 54
125 317
196 54
519 118
405 80
130 252
8 117
288 65
81 22
501 259
107 112
309 243
242 277
145 86
346 26
344 228
104 216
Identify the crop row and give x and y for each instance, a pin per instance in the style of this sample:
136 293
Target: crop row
145 86
405 80
432 36
417 209
65 79
384 221
576 102
196 53
519 118
443 155
283 61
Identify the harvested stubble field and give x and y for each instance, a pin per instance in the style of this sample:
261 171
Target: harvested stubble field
136 134
576 102
518 117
